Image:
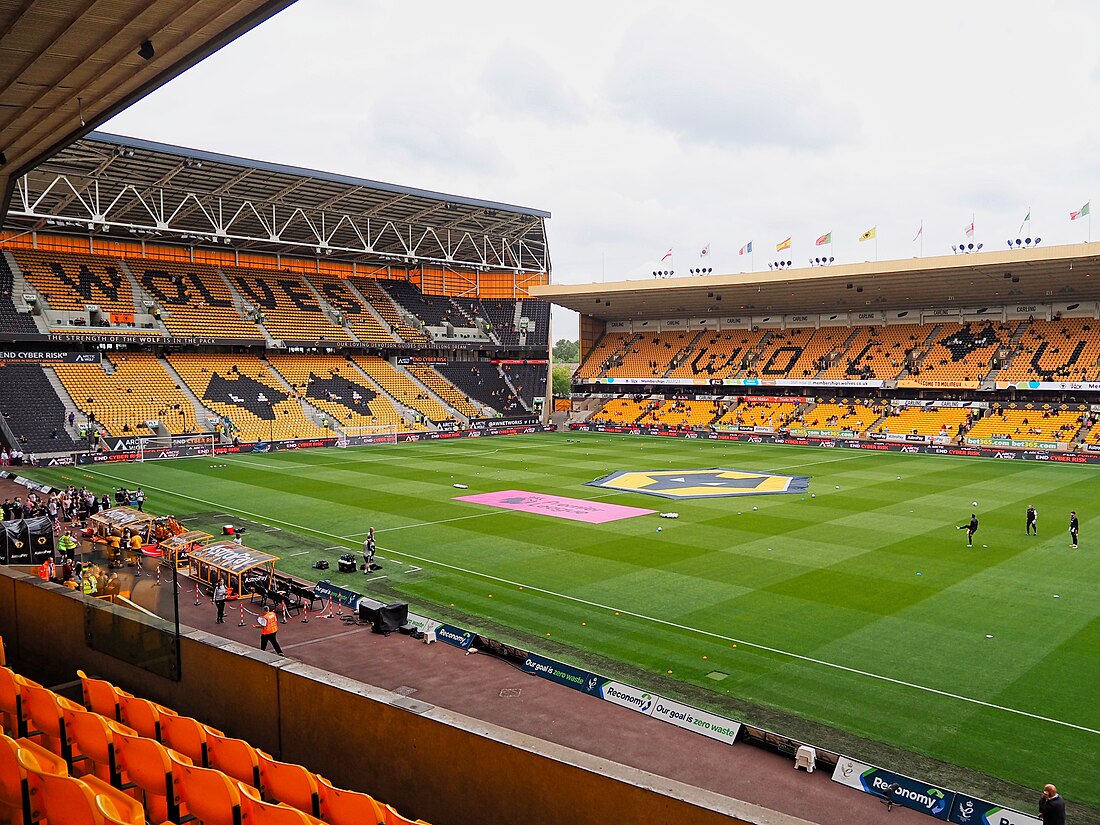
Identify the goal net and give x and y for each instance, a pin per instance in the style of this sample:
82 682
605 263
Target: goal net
156 448
373 434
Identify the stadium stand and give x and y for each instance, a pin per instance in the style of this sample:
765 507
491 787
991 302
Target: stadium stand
1065 349
601 355
341 296
681 413
433 310
194 299
649 355
10 319
878 352
70 282
32 410
136 391
385 307
718 354
539 313
926 420
502 316
839 416
402 388
780 352
528 380
770 414
446 390
1036 424
288 308
239 388
483 381
963 352
620 411
331 384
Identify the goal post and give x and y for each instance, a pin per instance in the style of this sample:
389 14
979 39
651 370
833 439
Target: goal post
371 434
156 448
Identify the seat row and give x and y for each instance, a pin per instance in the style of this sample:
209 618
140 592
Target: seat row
124 759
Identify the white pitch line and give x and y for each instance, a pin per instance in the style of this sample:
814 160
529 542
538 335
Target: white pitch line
374 579
655 620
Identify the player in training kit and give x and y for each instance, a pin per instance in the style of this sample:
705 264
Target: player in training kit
1032 520
1073 527
970 529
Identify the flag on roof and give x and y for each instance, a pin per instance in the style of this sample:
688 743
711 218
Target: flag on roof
1080 213
870 233
667 255
969 229
779 247
824 239
746 248
919 231
1026 219
704 251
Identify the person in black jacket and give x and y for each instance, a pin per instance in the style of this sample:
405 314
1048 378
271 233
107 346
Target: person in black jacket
1032 520
1073 528
1052 808
970 529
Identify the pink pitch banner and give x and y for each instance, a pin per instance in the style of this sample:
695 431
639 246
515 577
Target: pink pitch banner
574 509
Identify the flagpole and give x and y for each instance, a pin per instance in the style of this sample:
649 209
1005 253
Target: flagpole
922 237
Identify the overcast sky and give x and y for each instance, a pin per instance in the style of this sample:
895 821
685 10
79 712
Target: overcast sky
645 126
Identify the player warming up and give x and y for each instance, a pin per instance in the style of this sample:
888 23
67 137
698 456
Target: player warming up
1032 526
1073 528
970 529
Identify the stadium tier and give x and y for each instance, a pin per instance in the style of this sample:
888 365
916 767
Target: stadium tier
127 392
527 380
485 383
620 411
878 352
402 388
963 352
335 387
380 300
194 300
1059 350
71 282
241 389
772 415
10 318
1039 425
32 411
924 420
443 388
285 305
342 296
839 416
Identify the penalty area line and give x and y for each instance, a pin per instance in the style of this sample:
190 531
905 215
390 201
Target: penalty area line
652 619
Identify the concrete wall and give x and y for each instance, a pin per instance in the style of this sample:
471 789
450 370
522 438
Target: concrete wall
427 762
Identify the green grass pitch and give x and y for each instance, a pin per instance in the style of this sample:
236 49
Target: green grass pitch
860 609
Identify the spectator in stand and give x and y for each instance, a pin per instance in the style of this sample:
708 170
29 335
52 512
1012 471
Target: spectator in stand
5 459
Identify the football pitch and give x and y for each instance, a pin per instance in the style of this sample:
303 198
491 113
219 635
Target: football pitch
853 607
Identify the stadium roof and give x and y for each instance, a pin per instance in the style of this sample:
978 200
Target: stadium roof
68 66
127 188
1024 276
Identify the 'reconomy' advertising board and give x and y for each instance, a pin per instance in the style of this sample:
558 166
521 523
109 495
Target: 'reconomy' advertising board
456 636
940 803
910 793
